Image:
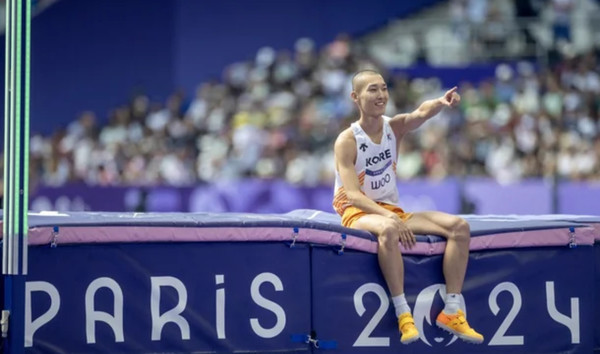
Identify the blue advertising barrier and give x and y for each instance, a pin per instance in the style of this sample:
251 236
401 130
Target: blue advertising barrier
578 197
532 196
177 297
278 196
471 195
522 301
298 282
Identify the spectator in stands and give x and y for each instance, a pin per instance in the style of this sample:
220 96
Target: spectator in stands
561 19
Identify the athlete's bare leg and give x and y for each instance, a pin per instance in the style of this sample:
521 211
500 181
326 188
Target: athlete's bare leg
388 252
457 232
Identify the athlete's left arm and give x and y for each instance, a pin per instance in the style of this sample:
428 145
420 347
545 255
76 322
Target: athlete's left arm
406 122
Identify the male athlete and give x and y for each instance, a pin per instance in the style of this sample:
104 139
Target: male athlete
366 197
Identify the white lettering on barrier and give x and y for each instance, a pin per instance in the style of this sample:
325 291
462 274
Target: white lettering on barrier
32 326
425 300
173 315
499 338
423 308
220 306
423 304
267 304
115 322
364 339
572 323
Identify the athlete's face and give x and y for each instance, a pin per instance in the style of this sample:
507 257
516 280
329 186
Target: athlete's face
370 94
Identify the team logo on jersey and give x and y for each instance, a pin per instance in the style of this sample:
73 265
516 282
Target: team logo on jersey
363 147
389 136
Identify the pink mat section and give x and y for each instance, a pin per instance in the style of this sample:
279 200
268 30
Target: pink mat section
596 231
122 234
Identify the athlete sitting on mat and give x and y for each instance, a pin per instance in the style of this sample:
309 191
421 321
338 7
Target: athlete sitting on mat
366 197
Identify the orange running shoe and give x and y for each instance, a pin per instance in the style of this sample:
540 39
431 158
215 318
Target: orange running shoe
406 325
457 325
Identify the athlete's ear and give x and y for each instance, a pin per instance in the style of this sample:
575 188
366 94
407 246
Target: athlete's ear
354 96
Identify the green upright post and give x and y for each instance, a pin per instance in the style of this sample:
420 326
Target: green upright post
16 173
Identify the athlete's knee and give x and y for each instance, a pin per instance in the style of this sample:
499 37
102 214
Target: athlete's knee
388 235
461 231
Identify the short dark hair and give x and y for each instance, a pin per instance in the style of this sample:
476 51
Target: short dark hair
361 73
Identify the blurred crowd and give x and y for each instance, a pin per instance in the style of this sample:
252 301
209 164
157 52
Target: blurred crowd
277 115
463 32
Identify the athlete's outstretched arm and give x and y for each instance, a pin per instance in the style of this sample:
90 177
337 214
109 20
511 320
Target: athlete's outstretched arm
404 123
345 156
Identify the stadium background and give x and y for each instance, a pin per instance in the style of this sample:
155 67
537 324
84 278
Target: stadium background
191 106
233 106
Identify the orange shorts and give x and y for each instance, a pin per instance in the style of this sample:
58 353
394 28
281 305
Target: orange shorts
351 214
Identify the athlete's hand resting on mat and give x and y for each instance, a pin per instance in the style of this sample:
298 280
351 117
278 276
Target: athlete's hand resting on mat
407 238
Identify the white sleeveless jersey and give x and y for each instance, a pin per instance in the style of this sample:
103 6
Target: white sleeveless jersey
375 167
